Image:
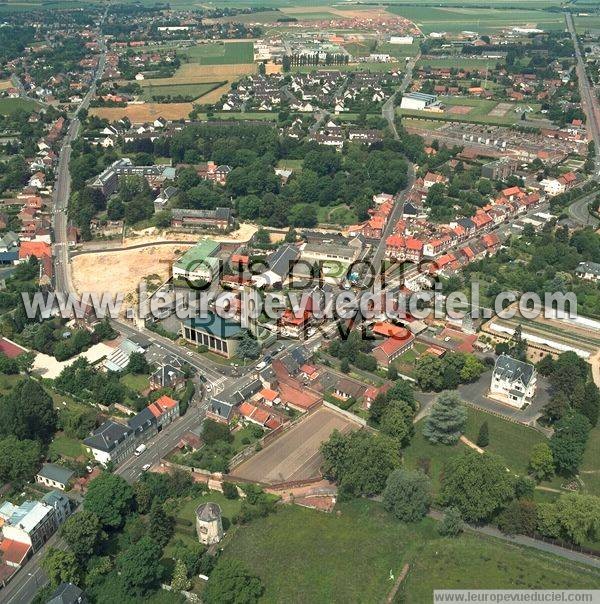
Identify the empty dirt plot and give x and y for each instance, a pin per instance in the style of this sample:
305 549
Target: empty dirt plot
459 110
500 110
145 112
120 272
295 455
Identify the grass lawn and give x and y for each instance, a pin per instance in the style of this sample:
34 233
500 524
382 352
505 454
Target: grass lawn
511 441
186 510
66 447
7 382
192 90
306 556
291 164
590 468
341 214
303 555
473 562
136 382
9 106
218 53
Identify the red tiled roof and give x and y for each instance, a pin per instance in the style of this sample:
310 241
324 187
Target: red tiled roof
392 345
268 394
10 349
13 551
298 398
39 249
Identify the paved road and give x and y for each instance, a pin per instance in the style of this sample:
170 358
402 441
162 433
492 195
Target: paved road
579 212
542 546
589 101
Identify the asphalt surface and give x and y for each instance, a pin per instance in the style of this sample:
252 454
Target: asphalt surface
589 102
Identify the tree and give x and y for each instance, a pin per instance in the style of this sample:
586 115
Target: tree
429 372
27 412
541 462
140 566
359 462
472 369
568 442
231 583
138 364
248 347
478 485
579 517
519 517
180 581
397 421
483 438
61 567
451 524
407 495
213 432
345 366
447 420
590 403
19 459
109 497
160 525
83 533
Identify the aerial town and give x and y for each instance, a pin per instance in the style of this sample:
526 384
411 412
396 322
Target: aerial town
299 301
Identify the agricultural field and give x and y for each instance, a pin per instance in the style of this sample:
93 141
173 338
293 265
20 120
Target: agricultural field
146 112
5 84
9 106
308 541
482 20
220 53
459 62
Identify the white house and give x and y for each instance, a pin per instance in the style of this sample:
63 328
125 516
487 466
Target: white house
552 186
513 381
418 101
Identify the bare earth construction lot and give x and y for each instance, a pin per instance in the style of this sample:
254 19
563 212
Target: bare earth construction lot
295 455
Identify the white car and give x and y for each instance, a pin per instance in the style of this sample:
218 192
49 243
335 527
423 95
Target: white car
146 467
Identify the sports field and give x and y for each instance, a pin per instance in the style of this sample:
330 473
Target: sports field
295 455
220 53
480 111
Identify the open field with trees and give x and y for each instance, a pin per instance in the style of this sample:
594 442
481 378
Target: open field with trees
309 542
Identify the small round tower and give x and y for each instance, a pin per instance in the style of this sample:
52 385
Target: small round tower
208 523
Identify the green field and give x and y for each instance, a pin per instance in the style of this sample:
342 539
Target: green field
341 214
64 446
188 90
482 20
479 112
215 53
136 382
9 106
460 62
512 441
590 468
303 555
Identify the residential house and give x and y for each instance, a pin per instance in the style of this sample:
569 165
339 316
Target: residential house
513 381
54 476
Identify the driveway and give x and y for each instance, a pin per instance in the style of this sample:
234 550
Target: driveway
476 395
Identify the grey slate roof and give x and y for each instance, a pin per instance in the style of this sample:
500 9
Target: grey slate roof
593 268
57 473
67 593
208 512
141 421
513 370
282 260
107 436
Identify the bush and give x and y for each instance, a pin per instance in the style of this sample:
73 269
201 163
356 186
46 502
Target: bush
452 524
230 490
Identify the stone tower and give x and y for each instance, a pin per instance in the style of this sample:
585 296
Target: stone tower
208 523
